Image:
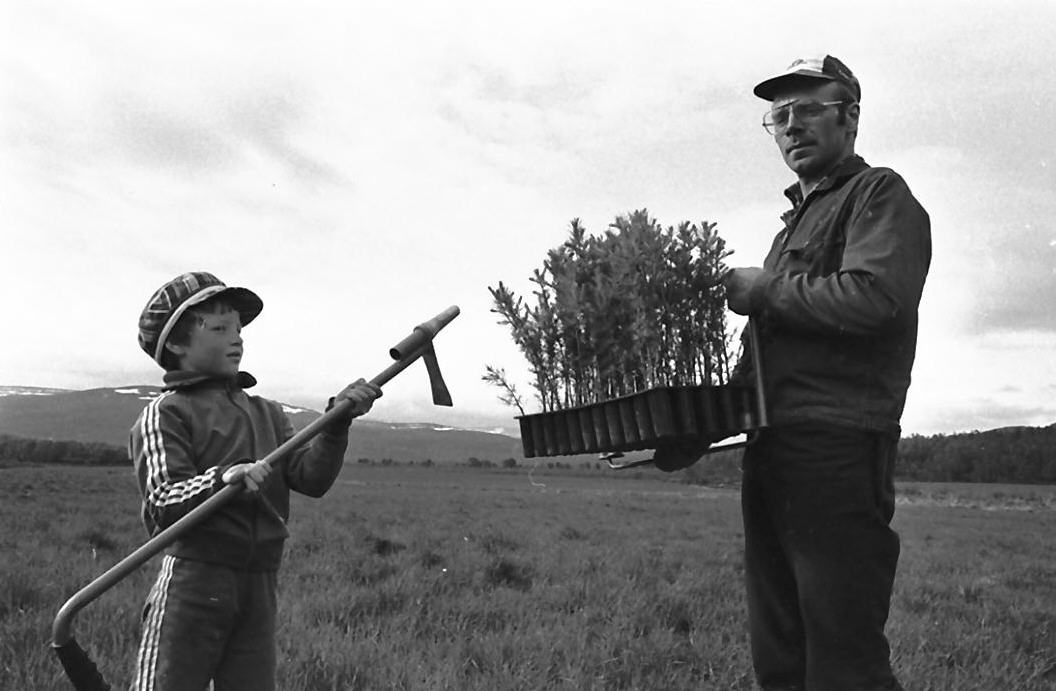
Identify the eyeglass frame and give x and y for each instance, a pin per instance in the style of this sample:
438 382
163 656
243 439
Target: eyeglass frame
791 107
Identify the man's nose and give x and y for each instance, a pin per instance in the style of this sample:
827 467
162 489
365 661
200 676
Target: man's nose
794 123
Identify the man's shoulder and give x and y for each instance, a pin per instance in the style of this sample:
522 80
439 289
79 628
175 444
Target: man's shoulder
870 175
884 171
884 191
881 179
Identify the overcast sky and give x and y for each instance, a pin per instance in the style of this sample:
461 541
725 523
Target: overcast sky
362 166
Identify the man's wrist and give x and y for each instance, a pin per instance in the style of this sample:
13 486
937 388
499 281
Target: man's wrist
757 292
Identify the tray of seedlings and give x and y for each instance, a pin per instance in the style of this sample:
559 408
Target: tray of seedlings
627 343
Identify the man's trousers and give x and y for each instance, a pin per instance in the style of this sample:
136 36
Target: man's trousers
820 557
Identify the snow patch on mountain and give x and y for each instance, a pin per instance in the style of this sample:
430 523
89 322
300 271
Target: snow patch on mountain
29 391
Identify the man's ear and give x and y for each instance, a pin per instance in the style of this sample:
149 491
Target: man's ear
853 112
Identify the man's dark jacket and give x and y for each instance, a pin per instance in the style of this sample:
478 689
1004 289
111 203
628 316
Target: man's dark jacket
837 302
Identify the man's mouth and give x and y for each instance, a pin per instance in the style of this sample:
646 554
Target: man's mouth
797 146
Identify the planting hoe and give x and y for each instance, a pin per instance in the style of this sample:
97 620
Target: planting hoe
75 661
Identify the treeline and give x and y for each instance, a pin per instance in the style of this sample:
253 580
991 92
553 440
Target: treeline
1012 454
486 463
21 450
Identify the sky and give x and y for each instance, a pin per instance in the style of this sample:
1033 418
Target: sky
363 166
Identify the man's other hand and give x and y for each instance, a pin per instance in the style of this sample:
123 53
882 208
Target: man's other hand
739 283
672 457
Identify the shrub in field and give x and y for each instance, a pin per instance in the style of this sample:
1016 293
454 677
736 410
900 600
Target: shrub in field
636 307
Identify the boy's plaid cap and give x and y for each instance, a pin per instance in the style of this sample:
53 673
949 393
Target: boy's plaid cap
825 68
171 300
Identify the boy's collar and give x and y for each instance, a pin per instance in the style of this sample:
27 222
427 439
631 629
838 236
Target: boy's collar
183 379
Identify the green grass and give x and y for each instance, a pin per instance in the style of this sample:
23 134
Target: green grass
450 578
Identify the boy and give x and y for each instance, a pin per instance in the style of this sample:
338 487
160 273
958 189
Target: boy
211 613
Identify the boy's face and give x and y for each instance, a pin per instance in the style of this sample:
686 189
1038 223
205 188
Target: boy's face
214 346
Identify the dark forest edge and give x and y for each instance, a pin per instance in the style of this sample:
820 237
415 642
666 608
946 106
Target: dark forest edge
1020 455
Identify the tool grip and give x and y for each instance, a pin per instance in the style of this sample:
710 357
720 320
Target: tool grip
423 333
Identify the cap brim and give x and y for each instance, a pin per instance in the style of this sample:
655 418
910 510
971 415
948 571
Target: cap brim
769 88
248 304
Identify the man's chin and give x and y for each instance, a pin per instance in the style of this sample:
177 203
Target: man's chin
803 165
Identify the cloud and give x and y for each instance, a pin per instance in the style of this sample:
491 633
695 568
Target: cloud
218 134
1017 279
982 414
161 141
973 382
271 121
993 235
365 166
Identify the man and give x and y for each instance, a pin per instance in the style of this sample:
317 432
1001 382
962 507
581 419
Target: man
835 303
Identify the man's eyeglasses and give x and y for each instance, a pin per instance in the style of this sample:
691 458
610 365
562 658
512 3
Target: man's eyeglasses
776 119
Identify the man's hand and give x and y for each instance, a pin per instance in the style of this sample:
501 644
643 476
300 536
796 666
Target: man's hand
362 394
672 457
251 475
739 284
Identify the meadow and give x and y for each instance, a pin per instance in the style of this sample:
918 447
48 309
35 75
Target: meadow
469 578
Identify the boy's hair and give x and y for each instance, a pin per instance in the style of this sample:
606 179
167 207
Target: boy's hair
189 320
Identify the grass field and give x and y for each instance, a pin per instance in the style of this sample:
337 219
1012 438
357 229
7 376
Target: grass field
452 578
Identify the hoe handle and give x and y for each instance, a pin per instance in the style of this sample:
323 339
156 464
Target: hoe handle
61 628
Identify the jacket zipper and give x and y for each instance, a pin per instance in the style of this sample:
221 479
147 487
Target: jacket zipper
253 453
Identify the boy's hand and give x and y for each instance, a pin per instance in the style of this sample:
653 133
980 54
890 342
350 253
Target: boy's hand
362 394
251 475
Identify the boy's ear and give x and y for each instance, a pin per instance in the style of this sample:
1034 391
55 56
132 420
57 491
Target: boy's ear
176 349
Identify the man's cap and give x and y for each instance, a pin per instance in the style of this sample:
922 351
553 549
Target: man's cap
825 68
171 300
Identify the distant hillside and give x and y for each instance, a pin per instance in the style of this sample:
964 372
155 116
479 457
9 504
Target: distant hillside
1007 454
105 416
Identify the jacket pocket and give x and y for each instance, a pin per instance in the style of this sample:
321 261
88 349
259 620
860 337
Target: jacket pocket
814 257
798 258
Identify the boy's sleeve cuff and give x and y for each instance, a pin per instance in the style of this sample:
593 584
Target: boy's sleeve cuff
341 423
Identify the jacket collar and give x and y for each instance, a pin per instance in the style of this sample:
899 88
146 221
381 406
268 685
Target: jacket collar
183 379
849 167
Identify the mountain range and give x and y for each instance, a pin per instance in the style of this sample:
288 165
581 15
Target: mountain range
1013 454
105 415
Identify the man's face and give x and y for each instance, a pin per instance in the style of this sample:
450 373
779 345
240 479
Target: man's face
214 346
813 139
